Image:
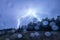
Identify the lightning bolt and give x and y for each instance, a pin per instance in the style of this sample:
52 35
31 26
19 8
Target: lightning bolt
30 13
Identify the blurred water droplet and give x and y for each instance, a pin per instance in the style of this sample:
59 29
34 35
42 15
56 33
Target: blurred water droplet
55 27
48 34
52 23
32 35
36 34
20 36
45 22
36 27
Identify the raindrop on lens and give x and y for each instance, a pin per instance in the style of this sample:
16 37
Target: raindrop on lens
48 34
32 35
55 27
36 34
20 36
45 22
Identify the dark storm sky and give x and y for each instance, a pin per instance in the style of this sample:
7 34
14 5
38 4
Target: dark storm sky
11 10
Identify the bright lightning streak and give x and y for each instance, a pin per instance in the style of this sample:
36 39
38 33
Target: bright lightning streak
18 24
30 13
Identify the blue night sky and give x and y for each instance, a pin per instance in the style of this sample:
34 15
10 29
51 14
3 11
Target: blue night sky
12 10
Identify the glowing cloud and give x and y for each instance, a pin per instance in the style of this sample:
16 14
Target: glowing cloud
29 13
